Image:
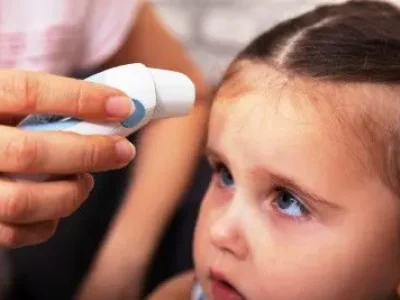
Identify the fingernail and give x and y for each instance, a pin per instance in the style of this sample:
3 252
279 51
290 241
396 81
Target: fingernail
125 151
119 107
89 180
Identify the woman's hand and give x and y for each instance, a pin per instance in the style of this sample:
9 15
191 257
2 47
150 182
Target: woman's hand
29 211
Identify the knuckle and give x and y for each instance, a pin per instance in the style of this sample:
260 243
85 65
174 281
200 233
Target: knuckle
9 236
15 204
29 92
79 100
92 155
23 150
19 90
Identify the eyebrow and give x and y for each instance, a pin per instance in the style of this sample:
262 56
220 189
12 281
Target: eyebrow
279 180
292 185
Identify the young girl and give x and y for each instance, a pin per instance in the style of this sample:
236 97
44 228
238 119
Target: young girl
304 137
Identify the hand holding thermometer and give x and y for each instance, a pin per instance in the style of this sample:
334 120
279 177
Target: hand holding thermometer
155 93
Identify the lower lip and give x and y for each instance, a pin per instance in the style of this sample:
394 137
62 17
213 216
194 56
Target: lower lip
220 291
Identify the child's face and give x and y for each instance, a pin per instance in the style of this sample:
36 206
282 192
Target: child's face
291 212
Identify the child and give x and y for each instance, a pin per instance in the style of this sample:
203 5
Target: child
305 142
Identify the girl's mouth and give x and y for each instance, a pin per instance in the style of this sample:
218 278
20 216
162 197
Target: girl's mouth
222 289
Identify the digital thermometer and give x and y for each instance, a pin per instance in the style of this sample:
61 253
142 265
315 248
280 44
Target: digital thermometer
155 93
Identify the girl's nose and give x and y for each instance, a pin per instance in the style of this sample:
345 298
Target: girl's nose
226 233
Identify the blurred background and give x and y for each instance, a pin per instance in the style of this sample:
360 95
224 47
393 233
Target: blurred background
215 30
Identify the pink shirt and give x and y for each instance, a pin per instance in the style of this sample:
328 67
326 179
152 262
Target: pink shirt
62 36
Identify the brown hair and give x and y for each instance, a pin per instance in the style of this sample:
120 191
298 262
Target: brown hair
353 42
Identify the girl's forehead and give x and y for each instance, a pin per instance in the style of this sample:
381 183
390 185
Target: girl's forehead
258 117
333 107
256 109
329 117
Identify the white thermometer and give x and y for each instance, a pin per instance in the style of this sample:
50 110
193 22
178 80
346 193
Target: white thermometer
155 93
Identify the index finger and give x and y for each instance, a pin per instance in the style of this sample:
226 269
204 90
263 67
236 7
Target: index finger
25 92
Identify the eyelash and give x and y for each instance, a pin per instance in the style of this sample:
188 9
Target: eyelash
221 171
280 191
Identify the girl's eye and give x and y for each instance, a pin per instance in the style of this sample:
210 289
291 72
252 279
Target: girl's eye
224 176
288 204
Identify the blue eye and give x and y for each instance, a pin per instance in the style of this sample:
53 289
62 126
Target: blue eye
289 205
225 176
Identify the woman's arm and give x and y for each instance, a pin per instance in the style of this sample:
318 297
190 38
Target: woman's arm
167 153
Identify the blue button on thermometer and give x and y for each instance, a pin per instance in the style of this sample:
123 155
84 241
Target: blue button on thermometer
155 93
137 116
